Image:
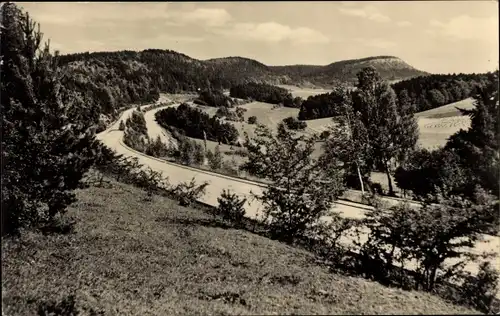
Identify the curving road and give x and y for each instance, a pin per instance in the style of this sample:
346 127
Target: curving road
112 137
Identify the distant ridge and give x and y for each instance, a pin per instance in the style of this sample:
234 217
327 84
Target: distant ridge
236 69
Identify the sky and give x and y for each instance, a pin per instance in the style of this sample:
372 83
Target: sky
434 36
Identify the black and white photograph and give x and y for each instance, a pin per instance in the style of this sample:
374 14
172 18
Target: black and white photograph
250 158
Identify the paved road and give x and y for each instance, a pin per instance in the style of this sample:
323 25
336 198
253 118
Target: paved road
176 174
155 130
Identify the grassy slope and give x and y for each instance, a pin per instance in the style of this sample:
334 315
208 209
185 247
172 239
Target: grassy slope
132 257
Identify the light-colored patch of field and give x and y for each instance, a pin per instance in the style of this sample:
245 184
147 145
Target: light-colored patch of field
434 132
129 256
304 93
436 125
449 110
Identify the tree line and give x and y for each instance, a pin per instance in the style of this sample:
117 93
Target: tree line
267 93
425 92
429 92
195 123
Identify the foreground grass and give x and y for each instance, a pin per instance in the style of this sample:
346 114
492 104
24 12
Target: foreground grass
129 256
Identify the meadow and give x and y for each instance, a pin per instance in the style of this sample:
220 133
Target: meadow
131 256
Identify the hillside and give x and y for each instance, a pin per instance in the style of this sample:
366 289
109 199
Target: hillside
390 68
129 256
112 79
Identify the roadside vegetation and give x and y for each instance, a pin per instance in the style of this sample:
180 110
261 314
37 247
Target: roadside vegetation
194 123
134 243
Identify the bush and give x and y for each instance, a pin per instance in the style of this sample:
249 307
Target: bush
121 127
187 193
215 159
200 102
294 123
222 112
198 154
156 148
285 159
479 291
428 235
429 172
231 207
252 120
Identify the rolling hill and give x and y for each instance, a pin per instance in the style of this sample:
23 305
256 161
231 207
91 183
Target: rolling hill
124 77
390 68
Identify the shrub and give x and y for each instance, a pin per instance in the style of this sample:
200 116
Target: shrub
327 235
301 190
156 148
230 167
66 307
215 159
479 291
198 153
121 127
200 102
222 112
324 135
428 235
231 207
427 172
188 193
294 123
252 120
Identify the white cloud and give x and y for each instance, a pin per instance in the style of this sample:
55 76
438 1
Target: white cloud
376 42
208 17
273 32
84 13
368 12
404 23
465 27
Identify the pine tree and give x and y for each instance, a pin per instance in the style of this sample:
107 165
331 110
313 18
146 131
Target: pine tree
47 137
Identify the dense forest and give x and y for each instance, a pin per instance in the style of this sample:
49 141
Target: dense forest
428 92
263 92
194 123
321 105
425 92
113 80
214 98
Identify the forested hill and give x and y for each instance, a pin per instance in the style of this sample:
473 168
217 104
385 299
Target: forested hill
425 92
389 67
115 79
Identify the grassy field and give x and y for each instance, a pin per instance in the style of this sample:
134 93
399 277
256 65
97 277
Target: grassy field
129 256
303 92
